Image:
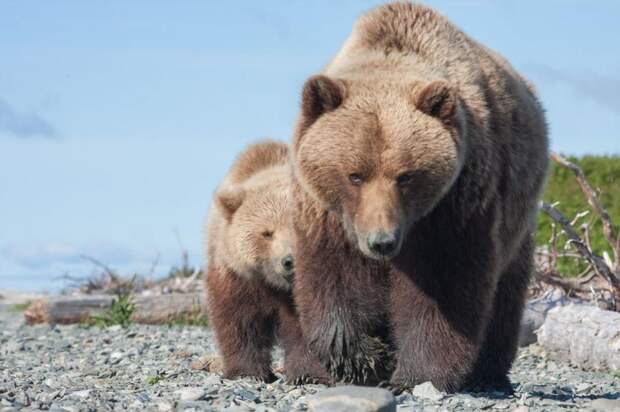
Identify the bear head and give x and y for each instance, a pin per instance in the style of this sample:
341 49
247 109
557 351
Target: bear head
257 233
379 154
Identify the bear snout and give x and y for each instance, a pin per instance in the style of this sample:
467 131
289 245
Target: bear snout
384 244
285 267
287 263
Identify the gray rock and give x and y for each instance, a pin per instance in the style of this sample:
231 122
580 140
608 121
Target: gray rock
114 328
84 394
352 398
85 365
164 406
535 313
190 394
605 405
583 335
426 390
213 379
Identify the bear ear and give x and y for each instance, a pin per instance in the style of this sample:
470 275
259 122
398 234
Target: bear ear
437 99
320 95
228 201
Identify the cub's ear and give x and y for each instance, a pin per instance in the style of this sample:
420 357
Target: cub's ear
228 201
320 95
437 99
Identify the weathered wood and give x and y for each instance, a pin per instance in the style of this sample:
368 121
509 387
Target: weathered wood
163 308
584 335
154 309
66 309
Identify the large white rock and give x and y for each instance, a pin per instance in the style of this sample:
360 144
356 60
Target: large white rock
535 314
584 335
351 399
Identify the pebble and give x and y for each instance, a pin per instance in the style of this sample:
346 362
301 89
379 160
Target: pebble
190 394
605 405
143 367
426 390
164 406
352 398
80 394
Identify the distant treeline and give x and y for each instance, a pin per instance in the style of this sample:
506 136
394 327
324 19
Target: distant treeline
603 173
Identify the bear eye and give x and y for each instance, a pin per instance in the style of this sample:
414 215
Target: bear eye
404 178
267 234
355 179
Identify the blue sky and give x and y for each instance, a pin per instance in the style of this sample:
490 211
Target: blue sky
118 118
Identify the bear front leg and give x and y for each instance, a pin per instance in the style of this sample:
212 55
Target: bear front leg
300 365
244 323
502 335
342 303
437 337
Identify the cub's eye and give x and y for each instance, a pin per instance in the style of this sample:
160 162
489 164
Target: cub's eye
355 179
404 178
267 234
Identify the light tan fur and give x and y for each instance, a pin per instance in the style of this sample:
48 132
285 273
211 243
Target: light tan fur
248 228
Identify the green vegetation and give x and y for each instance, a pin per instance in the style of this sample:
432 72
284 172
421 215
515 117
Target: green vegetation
118 314
155 379
196 318
603 173
20 307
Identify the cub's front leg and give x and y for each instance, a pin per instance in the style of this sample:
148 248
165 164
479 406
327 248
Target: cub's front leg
244 320
300 364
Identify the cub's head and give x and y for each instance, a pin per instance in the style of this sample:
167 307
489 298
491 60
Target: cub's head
379 155
258 234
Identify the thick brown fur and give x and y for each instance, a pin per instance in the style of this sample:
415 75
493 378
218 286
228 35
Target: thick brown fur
250 268
419 157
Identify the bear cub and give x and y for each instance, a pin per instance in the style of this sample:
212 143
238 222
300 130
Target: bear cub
250 268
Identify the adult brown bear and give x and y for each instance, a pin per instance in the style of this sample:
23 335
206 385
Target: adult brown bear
419 157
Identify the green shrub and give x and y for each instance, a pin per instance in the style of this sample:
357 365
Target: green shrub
119 312
21 307
603 173
196 318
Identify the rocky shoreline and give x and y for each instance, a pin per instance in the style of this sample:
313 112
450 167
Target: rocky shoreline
76 368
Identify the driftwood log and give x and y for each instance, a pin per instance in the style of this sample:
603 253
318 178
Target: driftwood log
154 309
586 336
157 309
580 333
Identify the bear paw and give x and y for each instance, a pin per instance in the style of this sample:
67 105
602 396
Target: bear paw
267 377
490 384
369 363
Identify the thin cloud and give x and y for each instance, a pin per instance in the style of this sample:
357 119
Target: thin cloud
46 254
23 125
604 90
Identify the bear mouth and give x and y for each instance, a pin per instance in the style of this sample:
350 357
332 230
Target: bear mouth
383 253
281 281
380 257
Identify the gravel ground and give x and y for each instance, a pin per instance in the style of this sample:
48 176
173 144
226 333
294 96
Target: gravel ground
73 368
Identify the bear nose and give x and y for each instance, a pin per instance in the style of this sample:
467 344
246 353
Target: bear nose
287 263
383 243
